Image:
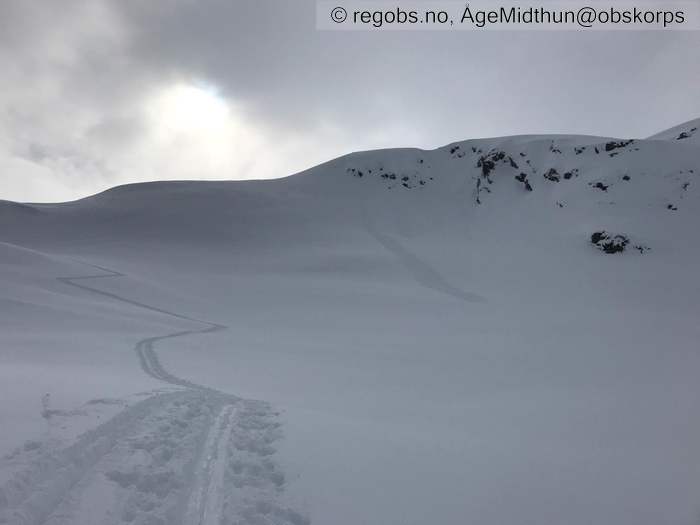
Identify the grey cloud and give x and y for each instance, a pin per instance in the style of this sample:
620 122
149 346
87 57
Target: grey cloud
76 72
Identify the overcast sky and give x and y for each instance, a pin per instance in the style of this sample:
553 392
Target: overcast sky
96 93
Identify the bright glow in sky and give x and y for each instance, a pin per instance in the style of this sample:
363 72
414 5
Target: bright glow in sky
97 93
189 109
196 133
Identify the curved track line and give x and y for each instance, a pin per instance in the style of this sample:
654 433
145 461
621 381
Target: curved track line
422 272
148 358
35 496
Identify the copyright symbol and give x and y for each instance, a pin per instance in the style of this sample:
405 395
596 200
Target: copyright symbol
586 16
339 15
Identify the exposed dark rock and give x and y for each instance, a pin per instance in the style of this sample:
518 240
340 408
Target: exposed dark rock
410 180
488 162
617 144
609 243
686 134
552 175
456 152
599 186
672 207
626 177
523 178
553 148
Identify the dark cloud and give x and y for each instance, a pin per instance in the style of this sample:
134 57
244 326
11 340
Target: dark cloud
77 74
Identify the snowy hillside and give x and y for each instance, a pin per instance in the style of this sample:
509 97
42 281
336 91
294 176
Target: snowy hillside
687 132
497 331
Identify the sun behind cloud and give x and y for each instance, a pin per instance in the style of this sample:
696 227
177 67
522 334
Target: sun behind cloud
197 132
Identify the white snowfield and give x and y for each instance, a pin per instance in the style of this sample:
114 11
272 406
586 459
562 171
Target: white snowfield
500 331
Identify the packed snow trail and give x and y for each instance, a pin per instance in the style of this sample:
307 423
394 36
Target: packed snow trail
206 504
148 358
172 458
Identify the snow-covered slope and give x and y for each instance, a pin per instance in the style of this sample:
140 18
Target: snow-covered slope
687 132
498 331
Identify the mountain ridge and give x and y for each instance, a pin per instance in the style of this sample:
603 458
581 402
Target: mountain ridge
669 135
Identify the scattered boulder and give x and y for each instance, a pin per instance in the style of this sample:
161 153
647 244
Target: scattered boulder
609 243
599 186
409 180
686 134
552 175
488 162
523 178
610 146
456 152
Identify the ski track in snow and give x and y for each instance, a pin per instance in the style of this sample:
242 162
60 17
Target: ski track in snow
148 358
174 454
421 271
207 503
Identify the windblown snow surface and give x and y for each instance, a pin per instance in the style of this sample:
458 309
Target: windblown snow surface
500 331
